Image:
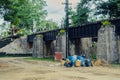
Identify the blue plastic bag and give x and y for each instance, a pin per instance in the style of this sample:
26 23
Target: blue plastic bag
72 59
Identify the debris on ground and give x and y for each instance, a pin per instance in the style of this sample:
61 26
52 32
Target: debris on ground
99 62
77 61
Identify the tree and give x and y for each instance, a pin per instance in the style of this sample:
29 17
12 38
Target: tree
33 11
82 13
50 25
21 13
11 8
108 9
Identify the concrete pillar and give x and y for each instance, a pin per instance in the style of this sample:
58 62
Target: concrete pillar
107 48
86 44
38 46
61 44
119 48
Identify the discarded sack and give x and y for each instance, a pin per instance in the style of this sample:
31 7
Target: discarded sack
72 59
68 63
78 63
88 63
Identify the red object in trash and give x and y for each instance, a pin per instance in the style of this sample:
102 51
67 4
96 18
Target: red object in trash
58 56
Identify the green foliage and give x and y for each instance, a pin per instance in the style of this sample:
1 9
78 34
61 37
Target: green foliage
22 32
94 45
115 65
110 8
50 25
80 16
61 32
21 13
105 23
93 56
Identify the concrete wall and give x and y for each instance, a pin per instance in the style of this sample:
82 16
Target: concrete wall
18 46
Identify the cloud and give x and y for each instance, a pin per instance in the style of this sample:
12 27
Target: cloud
55 17
56 10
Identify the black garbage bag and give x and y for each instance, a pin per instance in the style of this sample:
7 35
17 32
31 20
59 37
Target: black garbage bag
68 64
88 63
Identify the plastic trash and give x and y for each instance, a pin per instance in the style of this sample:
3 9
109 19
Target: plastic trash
88 63
82 60
78 63
72 59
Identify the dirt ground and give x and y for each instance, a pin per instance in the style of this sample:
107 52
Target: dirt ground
22 69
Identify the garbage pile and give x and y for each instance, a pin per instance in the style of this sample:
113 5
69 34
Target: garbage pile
77 61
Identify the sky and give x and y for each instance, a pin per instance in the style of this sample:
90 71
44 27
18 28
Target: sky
56 10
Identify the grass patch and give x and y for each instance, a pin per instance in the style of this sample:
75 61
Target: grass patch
115 65
41 59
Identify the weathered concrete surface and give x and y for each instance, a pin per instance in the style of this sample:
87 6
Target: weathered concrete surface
86 44
107 48
49 48
18 46
38 47
119 47
61 44
75 47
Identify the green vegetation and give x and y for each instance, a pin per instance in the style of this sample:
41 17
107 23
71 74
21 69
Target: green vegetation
61 32
41 59
115 65
23 14
27 16
93 56
105 23
50 25
93 10
109 9
80 16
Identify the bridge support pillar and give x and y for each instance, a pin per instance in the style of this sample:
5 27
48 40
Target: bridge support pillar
119 47
61 44
38 46
107 48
